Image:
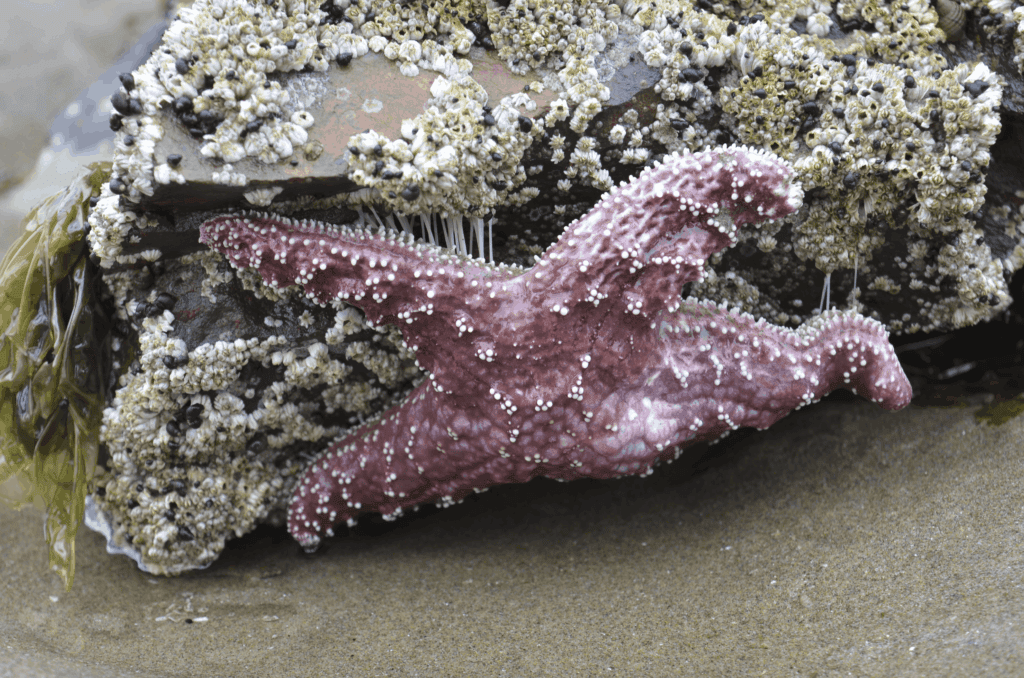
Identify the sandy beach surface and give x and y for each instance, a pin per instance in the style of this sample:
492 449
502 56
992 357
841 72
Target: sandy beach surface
844 541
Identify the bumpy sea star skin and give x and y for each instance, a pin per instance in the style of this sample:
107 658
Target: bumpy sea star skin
589 364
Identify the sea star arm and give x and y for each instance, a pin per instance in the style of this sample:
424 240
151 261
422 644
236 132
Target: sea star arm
636 248
429 294
646 238
426 450
728 366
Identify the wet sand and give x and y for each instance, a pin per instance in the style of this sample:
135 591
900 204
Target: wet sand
846 540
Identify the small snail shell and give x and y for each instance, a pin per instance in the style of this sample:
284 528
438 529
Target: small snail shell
951 19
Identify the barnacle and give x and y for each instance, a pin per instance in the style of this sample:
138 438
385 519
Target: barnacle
51 358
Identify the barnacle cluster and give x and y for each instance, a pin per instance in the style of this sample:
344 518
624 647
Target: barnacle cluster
895 140
865 135
204 441
217 71
564 37
458 136
890 142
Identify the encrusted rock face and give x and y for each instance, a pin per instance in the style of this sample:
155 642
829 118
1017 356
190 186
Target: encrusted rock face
490 126
891 132
220 404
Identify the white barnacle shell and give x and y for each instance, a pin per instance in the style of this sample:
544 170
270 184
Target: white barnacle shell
819 24
229 150
295 133
461 39
303 119
744 58
443 63
559 110
356 45
263 196
165 174
440 86
655 57
447 157
635 156
410 50
649 40
282 146
585 112
408 125
229 177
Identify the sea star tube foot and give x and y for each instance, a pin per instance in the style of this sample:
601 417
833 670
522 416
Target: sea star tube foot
588 364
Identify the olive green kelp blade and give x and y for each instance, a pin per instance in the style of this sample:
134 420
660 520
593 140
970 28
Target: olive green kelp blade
51 361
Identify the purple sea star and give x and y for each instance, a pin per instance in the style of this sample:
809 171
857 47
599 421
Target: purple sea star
588 365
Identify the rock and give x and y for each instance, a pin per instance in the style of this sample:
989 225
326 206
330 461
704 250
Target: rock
498 125
901 181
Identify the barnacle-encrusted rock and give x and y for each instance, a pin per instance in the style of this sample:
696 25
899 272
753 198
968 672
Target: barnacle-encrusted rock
890 132
489 126
222 397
